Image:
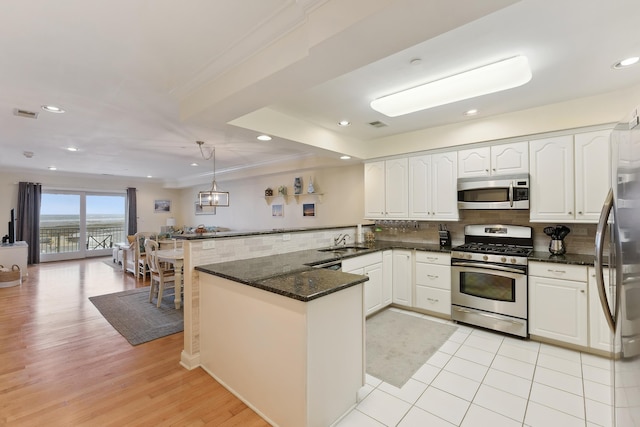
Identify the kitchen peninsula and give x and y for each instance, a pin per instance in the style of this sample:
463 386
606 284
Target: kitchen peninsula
286 338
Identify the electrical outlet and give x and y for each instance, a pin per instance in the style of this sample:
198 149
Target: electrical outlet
286 237
209 244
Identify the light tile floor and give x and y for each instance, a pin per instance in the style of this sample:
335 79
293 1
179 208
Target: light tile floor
480 378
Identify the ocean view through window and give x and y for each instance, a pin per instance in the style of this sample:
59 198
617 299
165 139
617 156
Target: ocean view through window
79 224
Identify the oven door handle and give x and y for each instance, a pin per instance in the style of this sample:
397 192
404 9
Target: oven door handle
483 314
487 267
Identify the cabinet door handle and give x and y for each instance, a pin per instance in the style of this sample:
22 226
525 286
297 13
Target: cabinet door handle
431 276
433 300
557 271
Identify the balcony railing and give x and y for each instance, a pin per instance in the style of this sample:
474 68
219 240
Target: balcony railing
66 238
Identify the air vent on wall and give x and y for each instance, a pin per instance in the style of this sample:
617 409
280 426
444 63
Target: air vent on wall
25 113
378 124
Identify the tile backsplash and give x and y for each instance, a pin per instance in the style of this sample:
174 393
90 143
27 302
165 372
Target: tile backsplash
579 241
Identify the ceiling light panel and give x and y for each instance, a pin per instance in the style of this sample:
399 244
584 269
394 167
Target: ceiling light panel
495 77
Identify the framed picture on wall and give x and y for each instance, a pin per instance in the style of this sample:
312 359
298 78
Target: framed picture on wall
161 206
308 209
204 210
277 210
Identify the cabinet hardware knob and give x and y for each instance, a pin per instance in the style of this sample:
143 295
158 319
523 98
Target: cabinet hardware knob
570 213
580 213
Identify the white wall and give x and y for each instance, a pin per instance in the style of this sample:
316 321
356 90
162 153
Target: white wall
342 202
147 192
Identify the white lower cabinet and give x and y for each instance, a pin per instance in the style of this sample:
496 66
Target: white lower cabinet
433 282
387 277
402 266
558 302
370 265
600 336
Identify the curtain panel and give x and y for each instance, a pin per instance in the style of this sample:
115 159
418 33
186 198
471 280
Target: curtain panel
132 212
28 218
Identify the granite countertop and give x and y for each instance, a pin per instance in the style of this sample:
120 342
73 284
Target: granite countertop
293 274
575 259
244 233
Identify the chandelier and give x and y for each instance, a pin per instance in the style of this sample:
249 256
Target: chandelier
212 197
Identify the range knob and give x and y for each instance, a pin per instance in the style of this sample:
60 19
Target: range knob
469 256
484 257
503 259
513 260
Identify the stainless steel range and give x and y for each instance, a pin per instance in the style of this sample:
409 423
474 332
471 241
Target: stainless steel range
489 277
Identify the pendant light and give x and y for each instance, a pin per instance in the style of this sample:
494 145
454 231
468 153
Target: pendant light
213 197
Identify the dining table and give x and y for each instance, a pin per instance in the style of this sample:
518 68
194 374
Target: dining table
176 257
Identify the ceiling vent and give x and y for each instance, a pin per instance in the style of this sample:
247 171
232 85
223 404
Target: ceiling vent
378 124
25 113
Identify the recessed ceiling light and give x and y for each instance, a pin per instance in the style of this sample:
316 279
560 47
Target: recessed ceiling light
627 62
194 164
344 123
53 168
72 149
495 77
149 176
52 109
471 112
345 157
264 138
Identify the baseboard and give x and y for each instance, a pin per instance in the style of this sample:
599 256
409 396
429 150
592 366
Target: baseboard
189 361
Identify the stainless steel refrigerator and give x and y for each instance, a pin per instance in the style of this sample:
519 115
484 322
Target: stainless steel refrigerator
618 254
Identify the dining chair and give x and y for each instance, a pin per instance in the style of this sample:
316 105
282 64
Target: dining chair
133 257
161 273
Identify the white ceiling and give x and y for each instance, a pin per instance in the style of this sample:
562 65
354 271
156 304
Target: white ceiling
142 80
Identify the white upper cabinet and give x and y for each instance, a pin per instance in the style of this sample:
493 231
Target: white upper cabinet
396 188
445 185
592 174
386 189
503 159
374 189
570 177
432 186
551 179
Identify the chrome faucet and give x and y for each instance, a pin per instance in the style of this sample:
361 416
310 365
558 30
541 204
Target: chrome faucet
342 238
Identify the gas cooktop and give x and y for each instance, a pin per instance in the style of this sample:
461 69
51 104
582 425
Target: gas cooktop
497 249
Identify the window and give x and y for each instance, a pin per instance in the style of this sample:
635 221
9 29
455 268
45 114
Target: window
80 224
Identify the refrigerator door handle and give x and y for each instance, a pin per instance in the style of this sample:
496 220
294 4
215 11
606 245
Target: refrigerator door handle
600 234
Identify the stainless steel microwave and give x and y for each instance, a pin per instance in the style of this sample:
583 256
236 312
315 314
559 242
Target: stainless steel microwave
497 192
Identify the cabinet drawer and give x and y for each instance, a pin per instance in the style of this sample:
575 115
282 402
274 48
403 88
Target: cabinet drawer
435 276
361 261
432 299
576 273
433 257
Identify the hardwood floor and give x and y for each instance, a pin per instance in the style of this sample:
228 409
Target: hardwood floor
62 364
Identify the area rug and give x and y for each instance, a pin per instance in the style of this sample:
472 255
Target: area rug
398 344
112 264
138 320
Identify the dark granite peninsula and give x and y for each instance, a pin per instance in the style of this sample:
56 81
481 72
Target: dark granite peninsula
285 337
